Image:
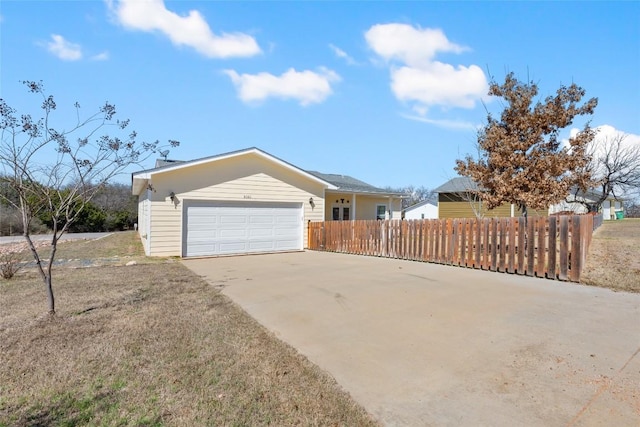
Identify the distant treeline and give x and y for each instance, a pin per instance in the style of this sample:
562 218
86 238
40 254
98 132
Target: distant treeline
113 208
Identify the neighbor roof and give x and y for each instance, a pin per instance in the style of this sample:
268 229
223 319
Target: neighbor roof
349 184
463 183
457 184
430 201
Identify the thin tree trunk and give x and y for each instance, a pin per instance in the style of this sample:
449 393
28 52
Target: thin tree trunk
50 298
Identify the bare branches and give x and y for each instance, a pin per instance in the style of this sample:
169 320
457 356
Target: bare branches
58 171
615 167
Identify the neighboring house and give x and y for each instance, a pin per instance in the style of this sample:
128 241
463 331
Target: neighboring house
574 202
245 201
458 198
427 209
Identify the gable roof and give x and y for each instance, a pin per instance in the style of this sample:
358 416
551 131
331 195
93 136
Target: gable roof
429 201
462 184
349 184
140 179
343 183
457 184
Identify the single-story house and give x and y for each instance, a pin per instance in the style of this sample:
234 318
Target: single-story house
245 201
458 198
426 209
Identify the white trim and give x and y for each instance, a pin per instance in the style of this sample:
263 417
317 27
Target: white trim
353 205
148 173
220 205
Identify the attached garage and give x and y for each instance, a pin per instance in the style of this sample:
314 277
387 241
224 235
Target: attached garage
223 228
241 202
245 202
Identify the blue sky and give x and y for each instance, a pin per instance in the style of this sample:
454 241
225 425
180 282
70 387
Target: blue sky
387 92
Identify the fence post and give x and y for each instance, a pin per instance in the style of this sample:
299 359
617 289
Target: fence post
551 254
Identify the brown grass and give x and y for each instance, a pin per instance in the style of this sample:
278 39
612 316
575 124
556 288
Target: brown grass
150 344
614 256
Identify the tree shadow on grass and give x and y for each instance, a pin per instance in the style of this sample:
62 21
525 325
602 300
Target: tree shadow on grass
70 410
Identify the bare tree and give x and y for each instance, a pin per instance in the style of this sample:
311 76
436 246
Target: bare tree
615 168
57 170
521 160
412 194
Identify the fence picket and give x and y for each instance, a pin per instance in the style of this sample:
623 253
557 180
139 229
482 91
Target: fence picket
553 247
542 247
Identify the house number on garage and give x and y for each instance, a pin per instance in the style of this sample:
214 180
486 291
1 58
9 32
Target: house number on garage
247 196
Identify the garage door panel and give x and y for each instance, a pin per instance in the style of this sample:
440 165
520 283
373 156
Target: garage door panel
261 219
262 233
233 218
225 228
284 244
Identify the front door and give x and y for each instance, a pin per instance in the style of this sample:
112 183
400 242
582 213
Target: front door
341 213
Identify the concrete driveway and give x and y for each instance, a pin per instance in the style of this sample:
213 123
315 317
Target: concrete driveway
428 345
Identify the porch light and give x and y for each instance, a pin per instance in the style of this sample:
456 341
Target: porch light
311 202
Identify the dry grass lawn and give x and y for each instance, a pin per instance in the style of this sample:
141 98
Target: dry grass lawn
149 344
614 256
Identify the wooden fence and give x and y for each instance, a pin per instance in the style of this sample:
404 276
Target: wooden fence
553 247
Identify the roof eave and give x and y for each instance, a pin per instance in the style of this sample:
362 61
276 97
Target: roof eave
148 173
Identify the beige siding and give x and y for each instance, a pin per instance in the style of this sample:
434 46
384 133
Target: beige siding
248 178
365 206
454 206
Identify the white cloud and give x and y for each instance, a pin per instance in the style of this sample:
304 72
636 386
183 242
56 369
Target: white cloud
307 87
103 56
439 84
416 77
412 46
64 49
342 54
607 133
191 30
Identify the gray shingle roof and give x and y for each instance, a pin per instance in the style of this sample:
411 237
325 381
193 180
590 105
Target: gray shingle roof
350 184
457 184
343 182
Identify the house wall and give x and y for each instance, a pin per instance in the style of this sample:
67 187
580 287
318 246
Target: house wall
143 219
609 208
428 210
564 206
247 178
451 205
365 205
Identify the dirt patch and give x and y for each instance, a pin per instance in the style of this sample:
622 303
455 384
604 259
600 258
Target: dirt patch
614 256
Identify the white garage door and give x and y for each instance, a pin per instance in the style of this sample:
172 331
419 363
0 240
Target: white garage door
237 228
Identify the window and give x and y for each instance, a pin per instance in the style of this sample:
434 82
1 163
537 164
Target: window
345 214
336 214
381 212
